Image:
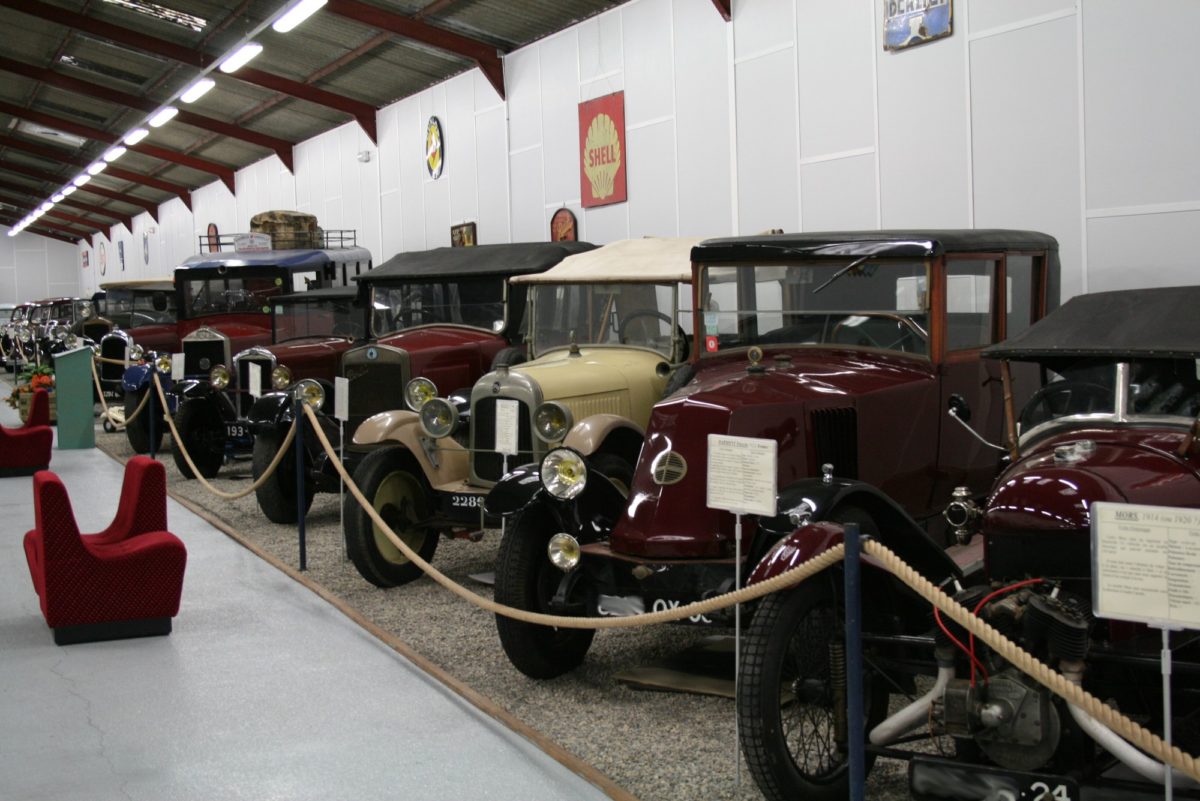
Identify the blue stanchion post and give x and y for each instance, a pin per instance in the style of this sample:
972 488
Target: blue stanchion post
151 407
855 719
298 413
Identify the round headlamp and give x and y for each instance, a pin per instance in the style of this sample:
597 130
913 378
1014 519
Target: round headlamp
552 421
162 363
418 392
71 341
281 377
60 332
438 418
312 393
564 474
26 335
86 310
219 377
564 553
136 352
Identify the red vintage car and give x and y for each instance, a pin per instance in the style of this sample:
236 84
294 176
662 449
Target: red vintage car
135 312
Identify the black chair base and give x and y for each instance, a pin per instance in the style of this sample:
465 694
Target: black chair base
114 630
13 472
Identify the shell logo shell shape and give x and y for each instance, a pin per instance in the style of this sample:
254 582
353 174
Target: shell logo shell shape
434 150
602 155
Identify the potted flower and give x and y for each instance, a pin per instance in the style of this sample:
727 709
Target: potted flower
30 379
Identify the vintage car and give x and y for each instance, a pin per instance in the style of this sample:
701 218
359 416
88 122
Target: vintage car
446 314
309 333
139 313
223 297
11 335
604 341
51 324
1115 422
846 349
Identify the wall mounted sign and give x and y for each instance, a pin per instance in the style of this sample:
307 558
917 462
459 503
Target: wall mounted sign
602 152
435 148
562 226
121 254
252 243
146 248
913 22
462 236
214 238
85 259
103 259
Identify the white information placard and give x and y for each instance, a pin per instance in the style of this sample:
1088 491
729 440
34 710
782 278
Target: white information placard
177 367
254 379
742 474
507 415
1146 564
341 398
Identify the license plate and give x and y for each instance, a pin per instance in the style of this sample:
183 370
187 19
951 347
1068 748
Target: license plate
237 430
667 604
937 779
465 501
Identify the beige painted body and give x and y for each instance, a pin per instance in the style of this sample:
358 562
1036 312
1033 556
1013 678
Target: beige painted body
403 428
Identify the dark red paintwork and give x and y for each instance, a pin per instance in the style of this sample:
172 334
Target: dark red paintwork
312 357
244 330
452 357
158 337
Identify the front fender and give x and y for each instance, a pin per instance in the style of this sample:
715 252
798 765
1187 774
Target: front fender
190 388
443 463
589 434
809 540
588 517
137 377
271 411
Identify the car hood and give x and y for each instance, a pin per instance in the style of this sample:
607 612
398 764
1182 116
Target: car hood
625 381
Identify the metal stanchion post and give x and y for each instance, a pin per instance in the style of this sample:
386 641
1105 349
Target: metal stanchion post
342 485
151 408
298 415
855 722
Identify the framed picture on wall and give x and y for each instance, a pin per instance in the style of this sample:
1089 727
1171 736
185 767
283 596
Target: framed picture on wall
562 226
121 254
907 23
462 236
602 151
85 259
214 238
103 254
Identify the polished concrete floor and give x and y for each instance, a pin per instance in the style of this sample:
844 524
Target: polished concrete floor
262 691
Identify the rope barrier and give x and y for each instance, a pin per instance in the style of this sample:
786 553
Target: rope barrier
229 496
104 404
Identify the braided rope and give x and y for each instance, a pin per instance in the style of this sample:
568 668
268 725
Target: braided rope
104 404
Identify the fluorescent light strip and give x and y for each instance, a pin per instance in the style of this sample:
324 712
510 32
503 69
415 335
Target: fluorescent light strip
241 57
114 153
297 14
82 179
135 136
96 167
58 197
164 115
69 189
197 90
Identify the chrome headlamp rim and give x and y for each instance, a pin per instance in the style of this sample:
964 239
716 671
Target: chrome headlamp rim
162 363
311 392
564 473
438 418
563 551
219 376
419 391
551 421
281 377
136 352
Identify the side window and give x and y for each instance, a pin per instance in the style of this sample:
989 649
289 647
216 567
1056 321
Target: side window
1019 270
969 304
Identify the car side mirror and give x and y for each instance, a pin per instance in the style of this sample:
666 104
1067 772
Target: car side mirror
959 407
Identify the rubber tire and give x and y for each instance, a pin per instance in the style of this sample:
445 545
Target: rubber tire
526 580
377 560
277 495
200 427
138 432
615 468
509 357
775 625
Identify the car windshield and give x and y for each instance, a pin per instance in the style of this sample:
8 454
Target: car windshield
878 304
130 308
233 292
321 317
641 315
478 303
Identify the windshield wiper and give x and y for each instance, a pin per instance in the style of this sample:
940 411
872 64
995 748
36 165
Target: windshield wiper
840 273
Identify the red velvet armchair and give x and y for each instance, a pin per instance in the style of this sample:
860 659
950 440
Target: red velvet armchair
26 449
122 582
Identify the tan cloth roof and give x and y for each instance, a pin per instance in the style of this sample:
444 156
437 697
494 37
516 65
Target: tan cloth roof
653 260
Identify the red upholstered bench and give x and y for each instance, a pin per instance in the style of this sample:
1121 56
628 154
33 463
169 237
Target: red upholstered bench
26 449
122 582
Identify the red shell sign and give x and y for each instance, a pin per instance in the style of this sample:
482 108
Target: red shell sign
602 151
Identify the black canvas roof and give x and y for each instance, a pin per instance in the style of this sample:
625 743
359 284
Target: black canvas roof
482 260
1135 323
326 293
916 243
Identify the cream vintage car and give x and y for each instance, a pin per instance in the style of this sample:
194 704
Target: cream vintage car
605 336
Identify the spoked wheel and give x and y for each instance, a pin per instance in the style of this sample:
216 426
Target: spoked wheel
277 495
526 580
202 433
138 431
792 696
391 481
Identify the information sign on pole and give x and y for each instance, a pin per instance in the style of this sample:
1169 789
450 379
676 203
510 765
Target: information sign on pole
341 398
176 366
741 474
254 378
507 414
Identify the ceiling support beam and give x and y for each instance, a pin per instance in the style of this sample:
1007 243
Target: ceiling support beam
364 113
281 147
25 205
108 139
57 180
17 190
724 8
11 222
42 223
485 56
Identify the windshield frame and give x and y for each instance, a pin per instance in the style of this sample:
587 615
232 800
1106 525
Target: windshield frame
185 296
319 303
674 344
499 325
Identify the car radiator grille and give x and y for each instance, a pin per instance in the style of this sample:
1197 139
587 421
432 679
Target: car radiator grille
606 403
200 357
489 465
244 399
835 440
112 349
379 388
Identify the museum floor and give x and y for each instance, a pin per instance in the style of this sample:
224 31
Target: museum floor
262 690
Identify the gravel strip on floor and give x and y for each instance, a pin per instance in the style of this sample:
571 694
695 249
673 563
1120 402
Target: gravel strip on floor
657 746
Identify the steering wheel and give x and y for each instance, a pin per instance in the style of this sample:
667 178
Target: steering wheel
861 337
1060 398
638 313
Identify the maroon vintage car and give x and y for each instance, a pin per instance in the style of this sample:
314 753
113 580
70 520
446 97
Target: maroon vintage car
1116 421
138 313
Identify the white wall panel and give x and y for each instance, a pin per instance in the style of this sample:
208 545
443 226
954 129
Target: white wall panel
529 220
174 238
1142 251
461 164
761 25
523 85
491 164
412 174
767 158
986 16
393 227
702 121
437 213
560 118
602 224
600 46
923 134
648 66
31 255
837 93
651 176
1026 144
1142 107
839 194
389 149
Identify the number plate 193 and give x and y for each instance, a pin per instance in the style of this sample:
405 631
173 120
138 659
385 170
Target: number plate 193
237 430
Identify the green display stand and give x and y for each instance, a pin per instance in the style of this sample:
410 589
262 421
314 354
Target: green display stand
73 386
